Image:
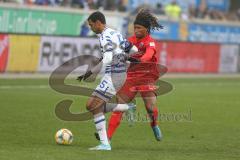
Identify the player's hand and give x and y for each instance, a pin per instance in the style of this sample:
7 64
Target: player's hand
85 76
126 46
79 78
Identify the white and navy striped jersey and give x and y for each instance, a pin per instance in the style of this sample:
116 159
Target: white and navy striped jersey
112 53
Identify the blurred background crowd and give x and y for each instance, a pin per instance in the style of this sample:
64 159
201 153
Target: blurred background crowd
172 9
199 36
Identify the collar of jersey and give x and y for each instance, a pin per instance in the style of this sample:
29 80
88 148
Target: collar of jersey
142 39
100 34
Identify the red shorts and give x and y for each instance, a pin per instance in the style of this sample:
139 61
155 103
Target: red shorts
140 78
133 85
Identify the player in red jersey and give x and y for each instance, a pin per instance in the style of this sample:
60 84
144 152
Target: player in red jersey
141 77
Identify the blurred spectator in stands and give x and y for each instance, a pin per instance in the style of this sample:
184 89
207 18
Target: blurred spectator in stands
95 4
20 1
84 30
143 6
122 5
202 10
91 4
232 16
198 12
173 10
29 2
100 4
216 15
16 1
54 2
125 25
192 11
78 3
159 9
66 2
42 2
110 5
238 14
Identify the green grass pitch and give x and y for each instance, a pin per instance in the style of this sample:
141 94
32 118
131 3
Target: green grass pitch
210 129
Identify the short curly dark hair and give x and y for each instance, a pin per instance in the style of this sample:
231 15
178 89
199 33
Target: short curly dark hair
97 16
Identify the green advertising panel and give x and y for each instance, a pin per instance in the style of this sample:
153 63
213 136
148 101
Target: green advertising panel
14 20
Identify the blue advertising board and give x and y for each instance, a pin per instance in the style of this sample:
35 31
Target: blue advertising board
213 33
169 32
222 5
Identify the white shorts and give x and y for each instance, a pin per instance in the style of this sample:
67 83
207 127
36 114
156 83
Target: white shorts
109 86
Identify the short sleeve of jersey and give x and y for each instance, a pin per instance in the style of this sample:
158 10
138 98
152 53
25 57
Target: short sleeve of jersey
150 44
110 41
106 43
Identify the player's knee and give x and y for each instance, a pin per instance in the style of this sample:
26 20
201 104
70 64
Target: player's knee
89 106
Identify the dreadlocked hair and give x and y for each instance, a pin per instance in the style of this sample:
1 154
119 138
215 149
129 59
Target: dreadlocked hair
146 19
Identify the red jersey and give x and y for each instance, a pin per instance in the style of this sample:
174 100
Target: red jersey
149 67
142 45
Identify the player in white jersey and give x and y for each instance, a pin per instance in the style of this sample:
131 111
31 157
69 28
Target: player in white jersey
114 64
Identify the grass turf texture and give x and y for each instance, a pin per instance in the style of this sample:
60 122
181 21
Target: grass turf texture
28 124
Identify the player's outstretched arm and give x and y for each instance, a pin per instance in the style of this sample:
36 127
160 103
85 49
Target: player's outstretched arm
107 59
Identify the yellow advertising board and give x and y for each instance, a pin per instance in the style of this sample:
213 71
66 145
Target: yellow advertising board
23 53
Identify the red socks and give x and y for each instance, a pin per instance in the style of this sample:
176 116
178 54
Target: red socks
116 117
113 124
153 116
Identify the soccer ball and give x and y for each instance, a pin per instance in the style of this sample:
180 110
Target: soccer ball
64 136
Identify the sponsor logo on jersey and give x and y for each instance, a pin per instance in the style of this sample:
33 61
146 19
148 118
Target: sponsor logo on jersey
141 44
152 44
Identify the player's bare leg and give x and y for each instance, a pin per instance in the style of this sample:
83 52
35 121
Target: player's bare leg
150 100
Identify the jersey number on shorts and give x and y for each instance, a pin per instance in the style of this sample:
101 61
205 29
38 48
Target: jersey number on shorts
103 85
